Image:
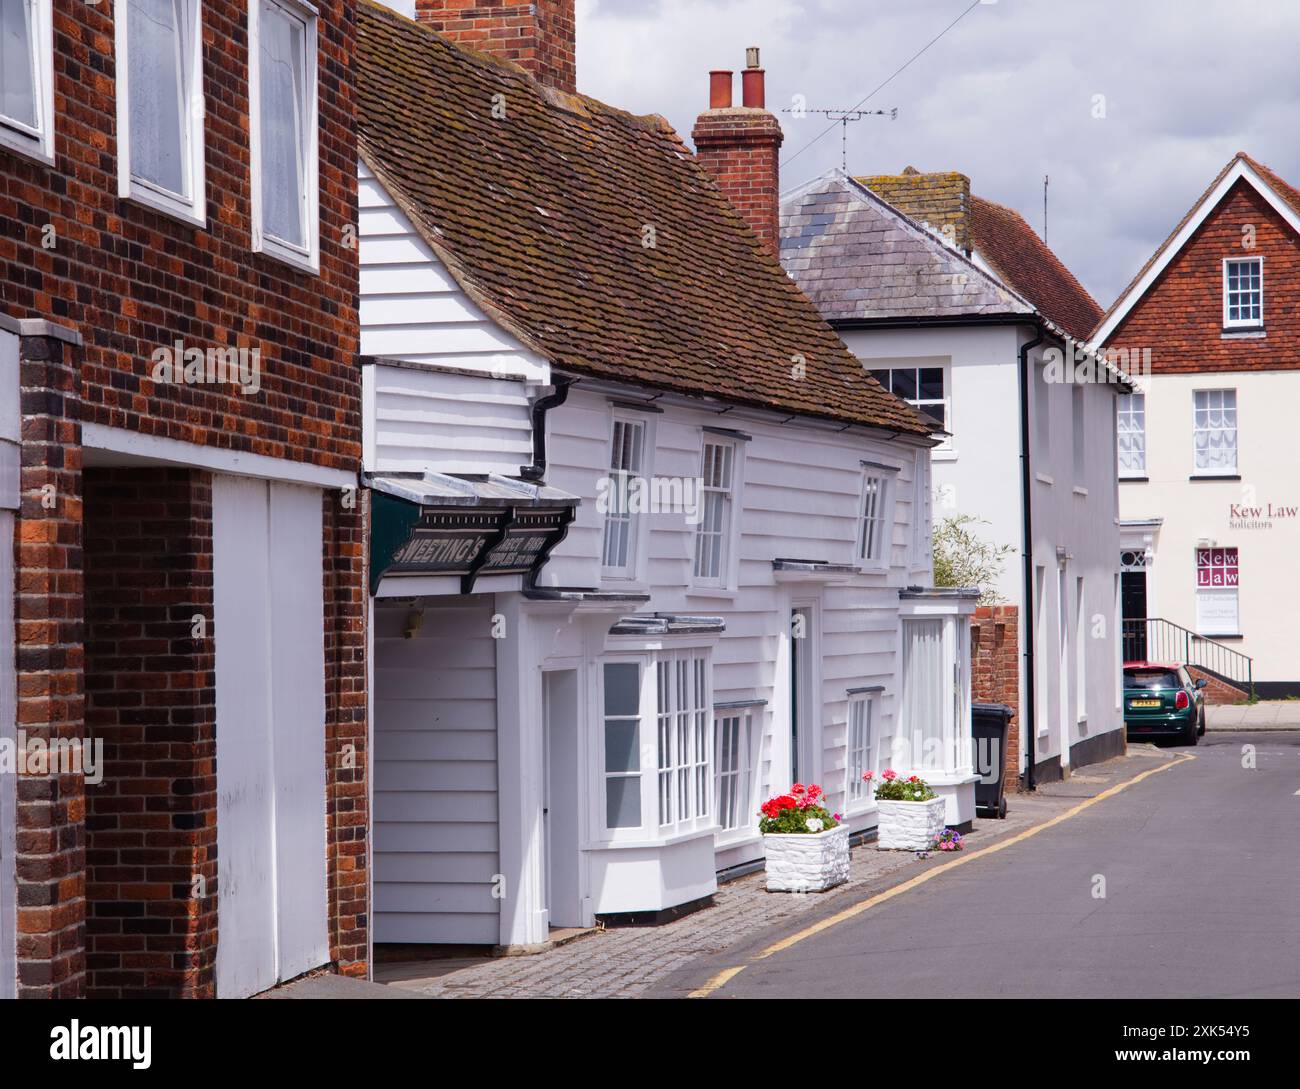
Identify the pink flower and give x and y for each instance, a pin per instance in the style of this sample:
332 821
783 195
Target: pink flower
889 774
867 776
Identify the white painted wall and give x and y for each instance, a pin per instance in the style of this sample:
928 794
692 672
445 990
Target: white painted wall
1193 510
435 777
270 671
799 500
978 473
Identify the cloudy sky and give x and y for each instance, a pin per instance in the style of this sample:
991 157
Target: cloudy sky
1005 96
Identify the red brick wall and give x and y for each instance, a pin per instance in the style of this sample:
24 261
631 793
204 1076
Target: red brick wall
739 147
1180 319
539 37
151 825
48 658
346 522
995 669
1218 691
132 280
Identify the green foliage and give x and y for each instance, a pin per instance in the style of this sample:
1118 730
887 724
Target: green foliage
963 558
911 789
794 821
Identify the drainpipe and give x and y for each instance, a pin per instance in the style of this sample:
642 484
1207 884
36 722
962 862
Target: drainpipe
1029 727
536 472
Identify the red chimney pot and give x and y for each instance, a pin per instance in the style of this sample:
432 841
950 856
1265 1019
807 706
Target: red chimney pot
719 89
752 90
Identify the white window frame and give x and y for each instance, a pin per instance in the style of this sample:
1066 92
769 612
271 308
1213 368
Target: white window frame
745 724
190 208
37 143
861 749
306 257
725 577
1131 408
1219 470
683 741
638 523
650 763
922 403
1243 323
885 477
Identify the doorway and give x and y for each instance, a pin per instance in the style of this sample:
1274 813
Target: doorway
1133 610
560 809
803 726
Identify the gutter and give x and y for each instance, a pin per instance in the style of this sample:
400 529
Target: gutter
1029 727
537 413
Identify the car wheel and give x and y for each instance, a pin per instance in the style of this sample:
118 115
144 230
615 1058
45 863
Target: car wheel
1200 730
1193 734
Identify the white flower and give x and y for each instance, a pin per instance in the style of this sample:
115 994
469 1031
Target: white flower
813 824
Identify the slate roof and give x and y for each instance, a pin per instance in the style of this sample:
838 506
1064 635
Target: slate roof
1023 261
859 258
1285 191
541 217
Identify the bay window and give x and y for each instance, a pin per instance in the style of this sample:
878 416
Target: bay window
160 106
657 783
282 105
27 77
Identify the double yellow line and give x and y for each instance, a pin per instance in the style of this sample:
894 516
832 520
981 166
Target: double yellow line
728 974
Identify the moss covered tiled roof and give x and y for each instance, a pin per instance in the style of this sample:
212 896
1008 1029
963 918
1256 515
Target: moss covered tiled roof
592 234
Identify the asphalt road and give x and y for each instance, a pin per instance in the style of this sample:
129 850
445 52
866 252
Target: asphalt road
1201 869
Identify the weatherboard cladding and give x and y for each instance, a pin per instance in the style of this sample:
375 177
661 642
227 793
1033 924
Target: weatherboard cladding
593 235
858 258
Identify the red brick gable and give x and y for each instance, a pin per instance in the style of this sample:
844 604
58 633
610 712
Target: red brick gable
1180 317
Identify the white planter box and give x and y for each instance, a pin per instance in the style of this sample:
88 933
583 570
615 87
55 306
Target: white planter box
909 826
809 862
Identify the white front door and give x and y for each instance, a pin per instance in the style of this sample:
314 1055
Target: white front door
805 705
560 808
268 579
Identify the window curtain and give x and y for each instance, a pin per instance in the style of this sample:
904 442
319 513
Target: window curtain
924 693
156 86
282 139
17 71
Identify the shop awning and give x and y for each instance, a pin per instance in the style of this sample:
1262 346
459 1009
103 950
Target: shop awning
436 524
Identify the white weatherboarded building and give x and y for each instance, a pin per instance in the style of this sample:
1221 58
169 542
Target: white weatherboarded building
582 694
956 305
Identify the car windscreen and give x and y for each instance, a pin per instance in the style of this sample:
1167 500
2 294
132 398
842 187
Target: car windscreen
1151 679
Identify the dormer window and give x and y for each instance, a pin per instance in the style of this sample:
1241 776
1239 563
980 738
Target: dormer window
1243 292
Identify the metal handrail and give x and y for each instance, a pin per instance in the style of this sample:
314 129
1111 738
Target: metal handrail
1166 641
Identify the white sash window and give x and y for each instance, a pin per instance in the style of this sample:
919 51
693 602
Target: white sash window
27 77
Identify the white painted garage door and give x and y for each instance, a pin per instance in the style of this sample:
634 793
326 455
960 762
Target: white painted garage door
270 634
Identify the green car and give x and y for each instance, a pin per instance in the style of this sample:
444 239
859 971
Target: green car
1161 701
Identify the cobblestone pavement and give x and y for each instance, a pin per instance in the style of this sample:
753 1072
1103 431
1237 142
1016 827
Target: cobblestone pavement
1265 715
625 962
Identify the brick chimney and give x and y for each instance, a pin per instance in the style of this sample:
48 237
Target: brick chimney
539 37
738 145
940 199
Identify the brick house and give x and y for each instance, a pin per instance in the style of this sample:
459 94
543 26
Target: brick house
1210 508
955 304
181 538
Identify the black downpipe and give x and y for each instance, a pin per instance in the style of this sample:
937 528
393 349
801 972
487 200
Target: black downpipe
537 470
1029 727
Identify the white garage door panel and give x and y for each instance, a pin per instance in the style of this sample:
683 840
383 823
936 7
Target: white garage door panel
245 845
298 651
270 650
